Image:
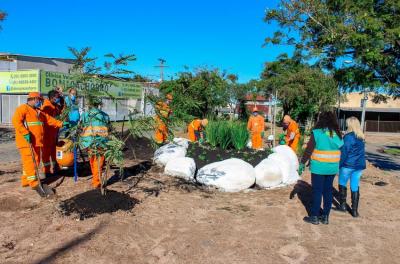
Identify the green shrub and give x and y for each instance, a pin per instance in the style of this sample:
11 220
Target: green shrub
239 135
212 133
227 134
224 134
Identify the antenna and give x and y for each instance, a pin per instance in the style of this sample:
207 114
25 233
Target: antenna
161 66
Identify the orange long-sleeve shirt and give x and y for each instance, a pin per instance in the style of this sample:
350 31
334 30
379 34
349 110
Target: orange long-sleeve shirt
50 132
194 126
256 124
27 117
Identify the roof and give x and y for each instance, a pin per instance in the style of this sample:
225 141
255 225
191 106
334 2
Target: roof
353 100
250 97
6 54
382 110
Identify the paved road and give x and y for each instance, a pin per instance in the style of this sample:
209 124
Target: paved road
381 160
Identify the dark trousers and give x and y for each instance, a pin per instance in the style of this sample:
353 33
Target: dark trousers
321 187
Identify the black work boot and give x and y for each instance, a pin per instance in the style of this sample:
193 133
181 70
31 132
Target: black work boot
311 219
324 219
355 197
342 199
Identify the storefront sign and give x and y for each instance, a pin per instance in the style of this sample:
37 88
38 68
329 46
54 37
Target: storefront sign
104 88
19 82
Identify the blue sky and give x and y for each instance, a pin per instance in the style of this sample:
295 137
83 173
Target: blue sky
224 34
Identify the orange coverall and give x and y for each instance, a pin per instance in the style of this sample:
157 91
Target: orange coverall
50 138
161 133
292 135
256 126
27 120
193 127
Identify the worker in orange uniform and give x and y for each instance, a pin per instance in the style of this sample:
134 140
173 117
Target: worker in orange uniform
292 132
29 123
163 112
95 130
50 107
256 128
196 130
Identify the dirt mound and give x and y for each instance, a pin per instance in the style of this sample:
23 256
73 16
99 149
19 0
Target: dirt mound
92 203
138 148
14 204
204 155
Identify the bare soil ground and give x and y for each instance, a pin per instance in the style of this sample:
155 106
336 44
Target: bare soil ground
153 218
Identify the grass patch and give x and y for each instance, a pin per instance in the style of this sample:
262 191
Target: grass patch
392 151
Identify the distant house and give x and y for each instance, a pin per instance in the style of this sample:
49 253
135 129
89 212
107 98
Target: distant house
381 117
263 104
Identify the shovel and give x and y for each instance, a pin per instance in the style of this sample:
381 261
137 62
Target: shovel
43 188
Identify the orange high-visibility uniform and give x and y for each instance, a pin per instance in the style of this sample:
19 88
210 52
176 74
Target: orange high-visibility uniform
96 166
193 128
50 137
27 120
292 135
256 126
161 132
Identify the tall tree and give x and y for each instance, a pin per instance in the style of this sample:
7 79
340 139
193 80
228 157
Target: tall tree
367 33
302 90
198 93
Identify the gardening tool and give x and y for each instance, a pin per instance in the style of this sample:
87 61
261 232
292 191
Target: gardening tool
43 189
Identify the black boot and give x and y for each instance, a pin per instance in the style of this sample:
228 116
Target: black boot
311 219
342 198
324 219
355 197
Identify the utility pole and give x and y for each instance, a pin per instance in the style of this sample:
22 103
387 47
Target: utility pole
161 66
364 106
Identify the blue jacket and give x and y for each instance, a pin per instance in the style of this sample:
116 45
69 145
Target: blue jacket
73 114
353 152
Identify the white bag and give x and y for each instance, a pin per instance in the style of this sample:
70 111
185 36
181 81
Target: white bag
231 175
182 168
167 153
268 174
284 163
294 162
183 142
288 151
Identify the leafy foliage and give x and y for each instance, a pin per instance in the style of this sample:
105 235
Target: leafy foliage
198 93
239 135
302 90
366 33
227 134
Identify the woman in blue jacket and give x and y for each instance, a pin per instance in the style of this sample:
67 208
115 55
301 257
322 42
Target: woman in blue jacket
352 163
71 103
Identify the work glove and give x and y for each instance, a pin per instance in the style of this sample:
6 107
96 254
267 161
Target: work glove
262 134
27 137
201 141
301 168
66 124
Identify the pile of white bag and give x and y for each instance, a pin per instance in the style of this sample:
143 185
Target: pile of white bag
231 175
280 168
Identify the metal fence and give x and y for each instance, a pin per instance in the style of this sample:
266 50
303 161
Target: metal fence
383 126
